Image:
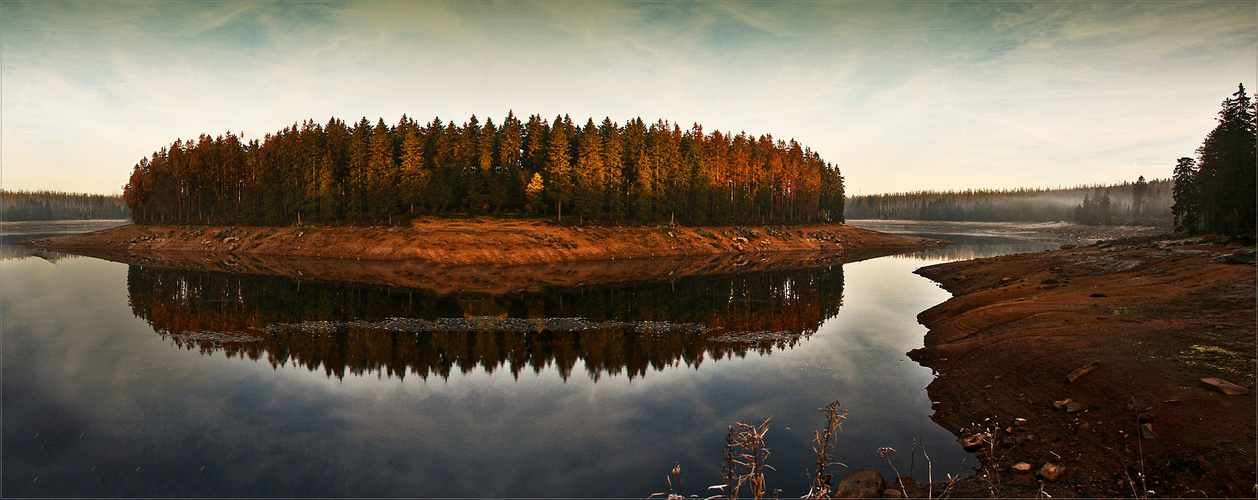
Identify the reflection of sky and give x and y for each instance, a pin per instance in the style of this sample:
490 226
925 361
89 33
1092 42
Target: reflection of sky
76 362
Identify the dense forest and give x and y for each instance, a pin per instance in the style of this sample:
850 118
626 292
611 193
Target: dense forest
1215 192
1141 202
364 173
56 205
617 329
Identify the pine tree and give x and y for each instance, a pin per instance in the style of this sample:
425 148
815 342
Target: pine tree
1226 163
1139 191
1186 210
383 176
558 167
415 173
589 185
509 189
613 169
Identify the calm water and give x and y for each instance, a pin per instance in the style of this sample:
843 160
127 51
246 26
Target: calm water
127 381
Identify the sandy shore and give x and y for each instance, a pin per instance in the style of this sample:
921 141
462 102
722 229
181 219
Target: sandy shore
1137 327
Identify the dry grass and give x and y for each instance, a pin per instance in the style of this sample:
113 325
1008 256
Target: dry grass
823 444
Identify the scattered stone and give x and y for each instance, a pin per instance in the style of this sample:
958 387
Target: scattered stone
1083 370
1073 406
1022 467
1146 431
1225 387
1145 417
1051 472
861 483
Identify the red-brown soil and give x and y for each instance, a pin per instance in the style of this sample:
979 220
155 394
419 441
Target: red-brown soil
1158 316
492 256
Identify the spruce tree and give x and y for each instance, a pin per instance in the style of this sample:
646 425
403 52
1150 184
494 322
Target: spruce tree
1186 210
1225 175
558 166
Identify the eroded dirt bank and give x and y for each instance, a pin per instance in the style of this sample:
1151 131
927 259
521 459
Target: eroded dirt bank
1151 318
483 256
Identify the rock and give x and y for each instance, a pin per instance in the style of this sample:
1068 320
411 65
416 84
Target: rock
861 483
1022 467
1068 404
1145 417
1051 472
1099 295
1069 246
971 443
1050 281
1146 431
1083 370
1239 258
1225 387
892 493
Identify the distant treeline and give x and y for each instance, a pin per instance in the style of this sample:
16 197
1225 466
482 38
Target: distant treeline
1215 192
56 205
1141 202
338 172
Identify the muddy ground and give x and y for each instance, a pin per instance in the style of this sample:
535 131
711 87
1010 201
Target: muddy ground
1151 317
488 256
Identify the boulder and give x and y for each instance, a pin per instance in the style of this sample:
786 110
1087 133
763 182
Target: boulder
861 483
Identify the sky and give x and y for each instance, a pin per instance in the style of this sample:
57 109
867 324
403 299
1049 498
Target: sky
900 96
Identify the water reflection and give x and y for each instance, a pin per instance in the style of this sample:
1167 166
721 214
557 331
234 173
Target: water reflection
12 232
616 329
967 247
97 404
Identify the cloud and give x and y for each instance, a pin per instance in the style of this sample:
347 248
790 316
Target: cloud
1003 94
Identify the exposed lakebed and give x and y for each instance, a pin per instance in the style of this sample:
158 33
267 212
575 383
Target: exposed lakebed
137 381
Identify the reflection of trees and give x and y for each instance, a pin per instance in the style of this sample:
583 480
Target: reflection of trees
612 329
968 252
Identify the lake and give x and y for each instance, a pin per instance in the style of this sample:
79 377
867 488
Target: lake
131 381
